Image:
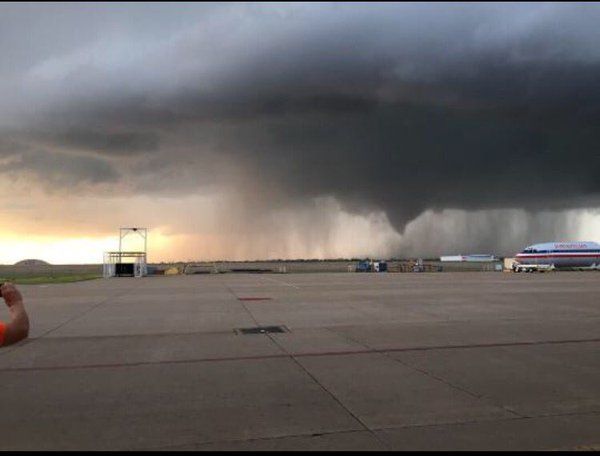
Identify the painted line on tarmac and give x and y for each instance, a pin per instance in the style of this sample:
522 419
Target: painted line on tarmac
254 299
294 355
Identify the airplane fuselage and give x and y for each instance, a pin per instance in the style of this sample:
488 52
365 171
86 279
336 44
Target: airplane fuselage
561 254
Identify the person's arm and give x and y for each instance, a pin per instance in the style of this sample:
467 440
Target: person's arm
18 327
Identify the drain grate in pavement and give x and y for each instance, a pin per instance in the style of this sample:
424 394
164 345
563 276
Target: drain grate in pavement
262 330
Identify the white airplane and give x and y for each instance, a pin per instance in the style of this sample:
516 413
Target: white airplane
579 254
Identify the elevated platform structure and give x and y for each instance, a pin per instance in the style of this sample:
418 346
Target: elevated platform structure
127 263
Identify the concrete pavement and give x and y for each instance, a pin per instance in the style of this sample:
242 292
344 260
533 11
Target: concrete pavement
371 361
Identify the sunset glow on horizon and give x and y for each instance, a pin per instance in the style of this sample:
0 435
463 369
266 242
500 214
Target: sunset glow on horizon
76 250
353 235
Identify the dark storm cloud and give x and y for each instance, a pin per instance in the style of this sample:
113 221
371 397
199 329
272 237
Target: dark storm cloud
400 108
110 144
59 171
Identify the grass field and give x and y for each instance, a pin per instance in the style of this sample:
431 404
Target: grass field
51 278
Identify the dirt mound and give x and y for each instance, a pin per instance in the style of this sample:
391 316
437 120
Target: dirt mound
32 263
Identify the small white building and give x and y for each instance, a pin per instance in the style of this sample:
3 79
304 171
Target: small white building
452 258
469 258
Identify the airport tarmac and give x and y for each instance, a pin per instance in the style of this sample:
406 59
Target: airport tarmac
432 361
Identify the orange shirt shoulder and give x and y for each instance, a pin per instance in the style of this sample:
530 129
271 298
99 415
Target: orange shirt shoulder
2 331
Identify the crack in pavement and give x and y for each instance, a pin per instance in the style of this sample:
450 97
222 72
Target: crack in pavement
425 372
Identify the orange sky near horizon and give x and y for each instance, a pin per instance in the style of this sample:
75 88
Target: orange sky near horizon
76 250
171 247
76 228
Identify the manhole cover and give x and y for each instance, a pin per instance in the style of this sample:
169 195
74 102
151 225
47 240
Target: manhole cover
262 330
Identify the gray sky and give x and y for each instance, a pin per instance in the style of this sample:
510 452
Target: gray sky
304 115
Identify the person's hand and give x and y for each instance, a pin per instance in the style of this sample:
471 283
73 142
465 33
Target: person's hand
11 295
